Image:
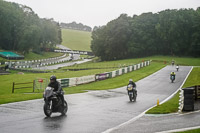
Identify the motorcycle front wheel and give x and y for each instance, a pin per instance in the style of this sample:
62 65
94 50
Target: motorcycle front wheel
130 98
48 108
65 109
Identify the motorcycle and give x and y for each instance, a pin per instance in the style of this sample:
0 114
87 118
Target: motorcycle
131 93
177 68
53 103
172 77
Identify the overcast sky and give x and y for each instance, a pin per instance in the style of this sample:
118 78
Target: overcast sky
100 12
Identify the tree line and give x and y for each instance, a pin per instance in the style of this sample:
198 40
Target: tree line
22 30
76 26
169 32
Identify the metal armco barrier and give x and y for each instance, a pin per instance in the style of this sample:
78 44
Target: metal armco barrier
68 82
64 82
102 76
36 63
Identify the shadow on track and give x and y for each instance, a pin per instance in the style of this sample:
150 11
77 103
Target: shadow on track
54 123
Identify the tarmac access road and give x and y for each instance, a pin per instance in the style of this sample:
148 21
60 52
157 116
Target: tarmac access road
94 111
53 67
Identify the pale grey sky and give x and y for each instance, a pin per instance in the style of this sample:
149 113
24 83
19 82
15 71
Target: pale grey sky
100 12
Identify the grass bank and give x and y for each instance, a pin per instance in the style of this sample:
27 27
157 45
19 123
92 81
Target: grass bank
187 61
76 40
117 81
44 55
190 131
21 95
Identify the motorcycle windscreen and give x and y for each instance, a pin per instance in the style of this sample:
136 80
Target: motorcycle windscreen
130 87
48 92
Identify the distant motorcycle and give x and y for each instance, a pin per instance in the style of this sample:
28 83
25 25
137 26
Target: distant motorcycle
177 67
131 93
53 103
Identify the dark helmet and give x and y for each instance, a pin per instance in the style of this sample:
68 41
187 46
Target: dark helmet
53 78
130 80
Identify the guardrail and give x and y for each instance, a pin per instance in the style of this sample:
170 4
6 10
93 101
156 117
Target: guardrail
36 63
68 82
64 82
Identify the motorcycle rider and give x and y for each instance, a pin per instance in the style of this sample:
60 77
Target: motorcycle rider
173 62
57 87
177 67
133 84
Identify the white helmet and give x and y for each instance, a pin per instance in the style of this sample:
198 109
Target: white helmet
130 80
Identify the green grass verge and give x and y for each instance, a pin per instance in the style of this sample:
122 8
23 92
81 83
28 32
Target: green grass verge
19 95
126 62
190 131
185 61
44 55
25 94
76 40
171 106
194 78
117 81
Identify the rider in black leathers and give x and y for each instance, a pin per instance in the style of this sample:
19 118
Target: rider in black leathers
57 87
134 85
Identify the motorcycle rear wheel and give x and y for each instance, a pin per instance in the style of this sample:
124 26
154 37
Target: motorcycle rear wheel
135 98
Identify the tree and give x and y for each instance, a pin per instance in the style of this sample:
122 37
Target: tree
22 30
143 41
169 32
113 38
195 45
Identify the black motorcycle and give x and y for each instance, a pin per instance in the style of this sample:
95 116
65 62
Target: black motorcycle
172 77
53 103
132 92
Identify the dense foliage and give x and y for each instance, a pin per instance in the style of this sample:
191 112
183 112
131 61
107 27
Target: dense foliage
169 32
22 30
76 26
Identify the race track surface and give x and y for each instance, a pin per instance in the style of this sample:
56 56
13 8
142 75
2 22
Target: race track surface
92 112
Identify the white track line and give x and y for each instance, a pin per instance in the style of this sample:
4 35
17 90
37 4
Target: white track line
180 130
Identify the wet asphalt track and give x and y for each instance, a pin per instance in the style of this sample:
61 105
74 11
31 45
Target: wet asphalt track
91 112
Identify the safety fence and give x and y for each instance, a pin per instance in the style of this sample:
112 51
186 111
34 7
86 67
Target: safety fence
41 83
25 85
74 51
37 84
68 82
